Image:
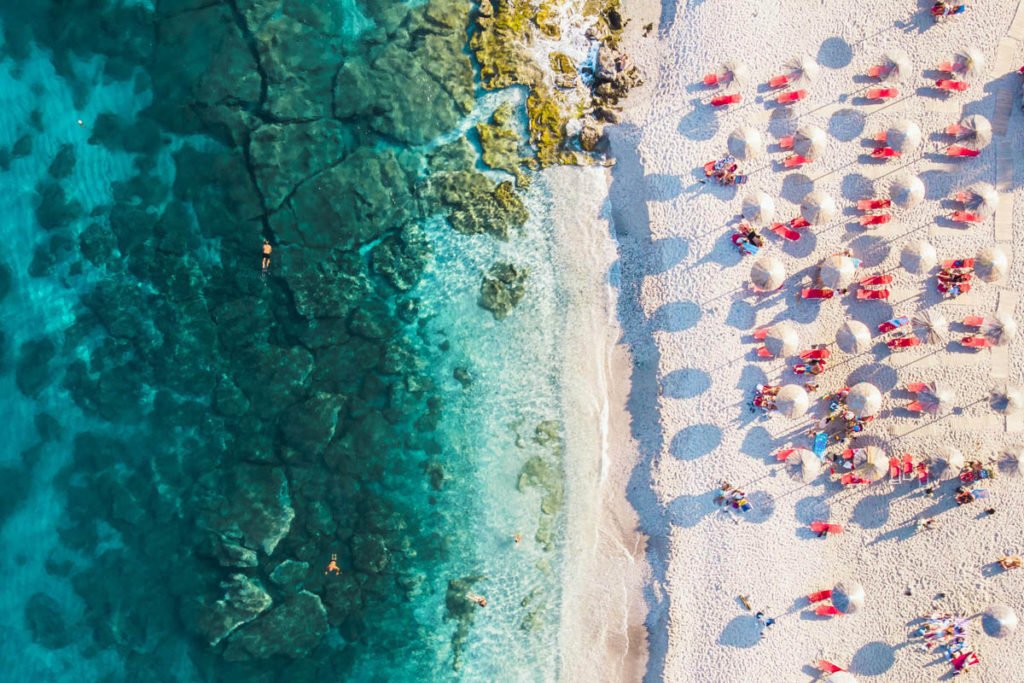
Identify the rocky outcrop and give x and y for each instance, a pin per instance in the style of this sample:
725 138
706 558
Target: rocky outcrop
250 502
503 286
243 600
47 622
291 629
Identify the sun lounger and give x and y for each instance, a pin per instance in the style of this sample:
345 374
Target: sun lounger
819 527
956 130
876 219
882 93
816 354
723 100
893 324
949 280
762 333
962 196
711 79
908 463
961 151
828 667
852 479
784 232
964 661
872 294
954 290
915 407
873 204
875 280
917 387
965 217
795 160
782 455
763 352
976 342
791 97
950 85
946 67
903 342
894 468
949 264
819 596
778 81
827 611
786 142
799 222
884 153
974 321
824 293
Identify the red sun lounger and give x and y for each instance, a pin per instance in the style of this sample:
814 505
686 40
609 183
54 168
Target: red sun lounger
877 219
974 321
778 81
893 324
816 354
903 342
723 100
819 596
763 352
882 93
917 387
818 527
949 85
958 263
851 479
976 342
915 407
711 79
827 611
965 217
875 280
762 334
782 231
884 153
961 151
784 454
787 141
791 97
956 130
946 67
816 293
828 667
799 222
894 468
878 71
873 204
872 294
908 463
965 661
795 160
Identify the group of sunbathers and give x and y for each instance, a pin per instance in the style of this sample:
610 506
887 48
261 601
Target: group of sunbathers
725 171
942 9
955 280
732 497
747 239
764 396
975 470
947 633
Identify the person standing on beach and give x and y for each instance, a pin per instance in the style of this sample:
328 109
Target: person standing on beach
764 621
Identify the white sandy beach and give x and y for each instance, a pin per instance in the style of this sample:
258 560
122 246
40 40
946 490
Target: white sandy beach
687 318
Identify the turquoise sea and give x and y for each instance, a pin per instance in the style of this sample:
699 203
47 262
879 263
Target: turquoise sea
188 441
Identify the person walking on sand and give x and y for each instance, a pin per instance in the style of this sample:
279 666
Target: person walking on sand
265 263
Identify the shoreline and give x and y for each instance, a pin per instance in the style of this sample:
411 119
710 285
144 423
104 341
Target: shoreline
604 568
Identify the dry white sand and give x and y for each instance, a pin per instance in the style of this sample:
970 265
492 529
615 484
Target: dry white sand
687 318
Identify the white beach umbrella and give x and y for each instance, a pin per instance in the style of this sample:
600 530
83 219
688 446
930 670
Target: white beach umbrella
931 326
838 271
1007 398
810 465
950 455
759 208
897 65
875 465
918 257
803 69
734 73
792 400
1001 328
817 208
977 128
841 677
907 191
782 340
991 264
864 399
969 62
853 337
984 199
809 141
938 399
904 136
999 621
848 596
745 143
767 273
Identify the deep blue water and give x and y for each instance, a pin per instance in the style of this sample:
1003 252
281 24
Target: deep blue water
189 441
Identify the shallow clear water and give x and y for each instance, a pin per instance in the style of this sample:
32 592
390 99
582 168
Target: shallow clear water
170 410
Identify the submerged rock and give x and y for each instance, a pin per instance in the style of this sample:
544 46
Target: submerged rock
32 374
500 142
478 205
291 629
63 163
401 258
255 503
242 601
283 156
503 287
46 622
290 574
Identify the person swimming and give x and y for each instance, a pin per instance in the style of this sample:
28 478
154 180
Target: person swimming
332 566
267 249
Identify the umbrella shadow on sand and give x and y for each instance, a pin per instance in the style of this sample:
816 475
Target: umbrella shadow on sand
873 659
742 631
695 441
676 316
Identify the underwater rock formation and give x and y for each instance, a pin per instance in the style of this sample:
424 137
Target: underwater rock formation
503 286
291 629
